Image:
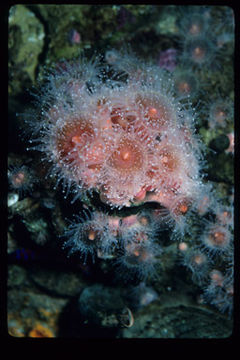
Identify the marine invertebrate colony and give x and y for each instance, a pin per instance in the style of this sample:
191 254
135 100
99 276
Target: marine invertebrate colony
129 141
119 131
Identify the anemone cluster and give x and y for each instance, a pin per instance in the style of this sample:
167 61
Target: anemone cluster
124 132
114 138
131 141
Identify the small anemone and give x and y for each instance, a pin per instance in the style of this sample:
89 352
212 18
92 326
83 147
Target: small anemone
199 51
216 238
21 179
197 262
84 235
139 260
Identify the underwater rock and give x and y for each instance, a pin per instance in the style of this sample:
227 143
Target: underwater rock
177 320
104 306
26 41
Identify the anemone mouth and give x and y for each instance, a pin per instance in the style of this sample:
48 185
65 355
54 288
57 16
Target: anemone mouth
199 50
135 254
185 84
198 53
184 87
18 179
193 24
181 206
156 110
92 235
195 29
168 159
127 157
72 139
218 237
199 259
220 114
